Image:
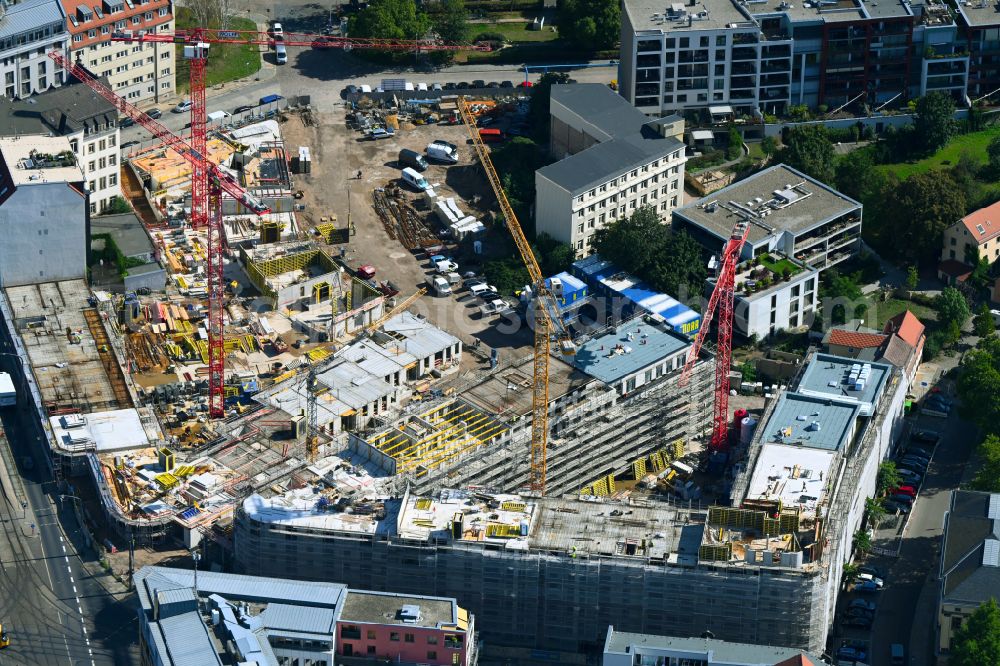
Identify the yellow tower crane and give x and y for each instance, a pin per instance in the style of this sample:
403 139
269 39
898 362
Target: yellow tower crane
546 320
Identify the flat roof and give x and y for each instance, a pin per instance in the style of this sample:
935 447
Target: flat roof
384 608
127 231
813 204
818 423
601 108
979 14
630 347
794 474
418 336
116 430
844 379
720 652
376 359
17 153
508 390
652 15
69 374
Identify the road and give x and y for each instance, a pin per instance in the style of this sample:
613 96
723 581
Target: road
54 610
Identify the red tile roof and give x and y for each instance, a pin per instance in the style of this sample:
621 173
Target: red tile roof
988 219
906 326
855 339
955 269
797 660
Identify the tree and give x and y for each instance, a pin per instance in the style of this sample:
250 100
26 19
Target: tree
515 162
749 371
117 206
987 478
862 541
853 173
918 211
734 144
980 376
912 277
977 641
875 510
934 123
888 477
809 150
769 146
670 261
993 153
390 19
983 324
538 111
837 285
590 25
451 20
851 571
951 307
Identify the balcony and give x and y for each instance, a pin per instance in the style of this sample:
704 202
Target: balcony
743 53
765 272
825 233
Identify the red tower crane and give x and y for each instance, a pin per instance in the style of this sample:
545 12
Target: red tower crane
206 193
723 297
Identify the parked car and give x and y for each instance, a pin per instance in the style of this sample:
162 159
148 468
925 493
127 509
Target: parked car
873 570
462 84
154 113
897 655
904 490
856 621
852 653
450 85
902 498
492 84
929 436
860 612
126 122
496 306
911 464
129 144
438 257
243 108
269 99
351 90
277 30
879 583
525 84
182 107
481 288
506 84
916 453
446 266
485 121
896 507
437 86
862 603
866 586
910 478
479 83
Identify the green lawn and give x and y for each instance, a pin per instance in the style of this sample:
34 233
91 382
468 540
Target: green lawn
879 313
226 62
778 266
515 32
973 143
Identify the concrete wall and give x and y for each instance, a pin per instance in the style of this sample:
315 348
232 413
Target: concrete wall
552 210
44 227
154 281
567 140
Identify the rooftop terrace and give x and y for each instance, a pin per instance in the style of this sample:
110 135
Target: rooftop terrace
653 15
38 159
794 203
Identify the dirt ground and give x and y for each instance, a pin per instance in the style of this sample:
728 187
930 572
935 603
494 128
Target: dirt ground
332 188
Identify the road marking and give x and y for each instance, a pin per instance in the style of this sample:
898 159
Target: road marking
68 569
85 633
71 579
66 557
64 548
74 591
60 538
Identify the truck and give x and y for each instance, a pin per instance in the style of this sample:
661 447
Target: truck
8 395
439 285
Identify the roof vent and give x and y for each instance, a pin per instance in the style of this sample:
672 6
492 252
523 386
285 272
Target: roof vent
409 613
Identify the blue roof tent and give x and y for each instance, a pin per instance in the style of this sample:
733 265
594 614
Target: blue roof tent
607 279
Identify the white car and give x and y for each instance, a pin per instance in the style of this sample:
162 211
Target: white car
183 107
493 307
446 266
277 30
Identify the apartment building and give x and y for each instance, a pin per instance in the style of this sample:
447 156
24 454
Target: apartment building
753 58
612 160
207 618
973 238
44 218
86 119
140 72
980 26
29 31
627 649
799 228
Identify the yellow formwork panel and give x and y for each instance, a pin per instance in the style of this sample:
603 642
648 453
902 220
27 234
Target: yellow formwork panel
639 469
600 488
611 483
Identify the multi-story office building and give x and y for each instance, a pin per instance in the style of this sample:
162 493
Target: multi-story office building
981 32
138 72
29 31
86 119
44 218
749 58
612 161
799 227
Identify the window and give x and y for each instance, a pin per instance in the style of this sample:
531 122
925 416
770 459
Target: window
105 29
579 228
112 161
408 638
149 16
104 182
394 636
163 11
136 20
371 649
432 654
78 38
371 634
90 148
165 55
720 40
111 142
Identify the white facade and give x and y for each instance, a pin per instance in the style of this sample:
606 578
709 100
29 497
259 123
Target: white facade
574 217
785 306
98 153
29 31
43 214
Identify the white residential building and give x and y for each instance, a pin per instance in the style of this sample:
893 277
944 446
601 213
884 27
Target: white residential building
799 227
138 72
612 161
43 211
86 119
29 31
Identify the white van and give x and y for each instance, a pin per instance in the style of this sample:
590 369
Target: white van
281 54
216 116
440 285
413 178
443 152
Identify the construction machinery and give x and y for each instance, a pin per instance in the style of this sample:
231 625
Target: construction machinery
723 296
547 320
4 638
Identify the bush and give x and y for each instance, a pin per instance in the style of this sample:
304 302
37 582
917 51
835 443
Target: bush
489 37
710 158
